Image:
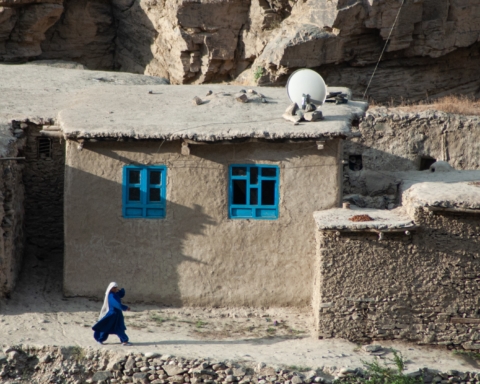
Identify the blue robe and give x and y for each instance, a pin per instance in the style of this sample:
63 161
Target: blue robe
112 323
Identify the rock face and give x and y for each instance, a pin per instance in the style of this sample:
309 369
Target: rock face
344 39
84 33
187 42
23 25
433 48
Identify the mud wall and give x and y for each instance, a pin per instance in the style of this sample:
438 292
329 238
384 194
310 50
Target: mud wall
196 255
421 287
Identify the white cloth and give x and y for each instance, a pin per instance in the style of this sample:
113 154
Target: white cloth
106 307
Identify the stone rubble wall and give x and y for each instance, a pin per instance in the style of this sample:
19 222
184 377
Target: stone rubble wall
422 287
31 200
391 140
74 365
11 209
43 178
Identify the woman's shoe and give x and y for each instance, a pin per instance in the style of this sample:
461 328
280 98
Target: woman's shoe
127 344
100 342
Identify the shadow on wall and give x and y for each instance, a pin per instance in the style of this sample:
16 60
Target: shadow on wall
135 36
142 255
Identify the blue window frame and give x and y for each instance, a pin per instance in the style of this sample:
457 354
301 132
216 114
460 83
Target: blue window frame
144 191
253 191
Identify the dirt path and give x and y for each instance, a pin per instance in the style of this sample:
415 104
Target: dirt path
37 314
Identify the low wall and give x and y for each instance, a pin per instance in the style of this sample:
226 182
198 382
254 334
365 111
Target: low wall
50 364
422 287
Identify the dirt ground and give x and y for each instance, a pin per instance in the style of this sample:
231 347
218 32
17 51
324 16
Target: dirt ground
38 314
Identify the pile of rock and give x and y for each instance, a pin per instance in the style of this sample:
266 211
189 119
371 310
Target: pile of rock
74 365
243 96
294 114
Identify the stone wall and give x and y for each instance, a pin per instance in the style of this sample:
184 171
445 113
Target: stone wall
422 287
73 365
43 178
11 208
390 140
196 255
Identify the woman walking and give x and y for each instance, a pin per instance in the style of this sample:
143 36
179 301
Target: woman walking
110 321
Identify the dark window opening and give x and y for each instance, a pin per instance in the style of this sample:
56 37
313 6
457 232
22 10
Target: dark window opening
253 175
268 192
269 172
134 194
254 196
134 177
239 171
426 162
44 147
155 177
154 194
355 162
239 191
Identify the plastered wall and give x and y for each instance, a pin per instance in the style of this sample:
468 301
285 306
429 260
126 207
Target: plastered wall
423 287
197 255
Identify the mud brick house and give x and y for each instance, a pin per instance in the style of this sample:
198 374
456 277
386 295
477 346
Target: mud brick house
205 204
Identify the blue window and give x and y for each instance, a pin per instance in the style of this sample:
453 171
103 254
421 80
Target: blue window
144 191
253 192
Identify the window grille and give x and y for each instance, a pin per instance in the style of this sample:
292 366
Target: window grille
44 147
253 191
144 191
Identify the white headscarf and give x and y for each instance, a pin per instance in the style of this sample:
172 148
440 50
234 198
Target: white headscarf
105 307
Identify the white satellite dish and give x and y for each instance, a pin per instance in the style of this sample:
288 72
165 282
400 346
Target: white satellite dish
305 82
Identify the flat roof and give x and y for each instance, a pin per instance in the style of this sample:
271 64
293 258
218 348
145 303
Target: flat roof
339 219
453 189
95 104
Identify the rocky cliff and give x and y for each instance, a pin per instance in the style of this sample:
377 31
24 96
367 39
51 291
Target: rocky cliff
433 49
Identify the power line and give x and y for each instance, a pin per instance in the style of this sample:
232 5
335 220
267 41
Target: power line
384 47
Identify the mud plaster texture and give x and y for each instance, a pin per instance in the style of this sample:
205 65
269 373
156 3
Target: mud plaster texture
422 286
196 255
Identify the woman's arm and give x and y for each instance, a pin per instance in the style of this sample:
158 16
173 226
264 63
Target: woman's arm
116 303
